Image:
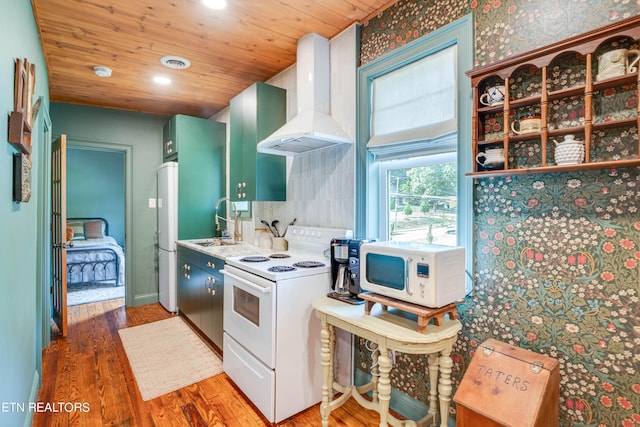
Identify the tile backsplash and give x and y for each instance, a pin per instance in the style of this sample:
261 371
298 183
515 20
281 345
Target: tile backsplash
320 185
320 190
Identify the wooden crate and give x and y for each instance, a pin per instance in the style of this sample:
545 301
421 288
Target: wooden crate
508 386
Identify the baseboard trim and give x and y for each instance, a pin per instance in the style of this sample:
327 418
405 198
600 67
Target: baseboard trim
145 299
33 396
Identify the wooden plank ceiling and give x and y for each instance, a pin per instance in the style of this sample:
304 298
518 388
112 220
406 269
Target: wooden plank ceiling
250 40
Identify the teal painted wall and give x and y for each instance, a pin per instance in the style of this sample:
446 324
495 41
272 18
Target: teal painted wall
19 376
142 133
95 187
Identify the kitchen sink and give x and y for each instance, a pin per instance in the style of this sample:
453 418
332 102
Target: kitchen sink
216 242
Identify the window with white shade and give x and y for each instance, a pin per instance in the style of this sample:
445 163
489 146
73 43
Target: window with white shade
414 141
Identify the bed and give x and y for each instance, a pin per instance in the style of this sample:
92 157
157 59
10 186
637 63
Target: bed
93 255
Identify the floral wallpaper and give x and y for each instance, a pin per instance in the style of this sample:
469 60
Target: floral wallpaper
503 28
558 272
557 256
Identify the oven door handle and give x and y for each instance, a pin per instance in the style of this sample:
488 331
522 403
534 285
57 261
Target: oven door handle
248 284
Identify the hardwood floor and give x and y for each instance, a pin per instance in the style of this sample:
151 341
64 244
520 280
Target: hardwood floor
89 368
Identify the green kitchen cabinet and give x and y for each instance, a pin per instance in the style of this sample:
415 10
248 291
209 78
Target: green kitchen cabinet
188 284
170 140
256 113
200 292
198 145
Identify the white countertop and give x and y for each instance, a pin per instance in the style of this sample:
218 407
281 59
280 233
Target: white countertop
223 251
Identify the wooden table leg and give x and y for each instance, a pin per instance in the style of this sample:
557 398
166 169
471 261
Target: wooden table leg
375 371
433 361
326 357
384 385
444 385
332 352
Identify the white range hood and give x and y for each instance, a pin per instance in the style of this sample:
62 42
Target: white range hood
312 128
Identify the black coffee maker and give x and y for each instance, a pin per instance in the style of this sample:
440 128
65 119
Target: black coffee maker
345 269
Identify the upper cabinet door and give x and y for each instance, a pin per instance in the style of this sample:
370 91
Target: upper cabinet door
169 141
199 148
255 114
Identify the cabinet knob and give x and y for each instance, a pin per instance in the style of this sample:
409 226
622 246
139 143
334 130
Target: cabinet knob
210 264
211 280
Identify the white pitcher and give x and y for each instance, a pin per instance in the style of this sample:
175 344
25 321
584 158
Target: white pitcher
616 63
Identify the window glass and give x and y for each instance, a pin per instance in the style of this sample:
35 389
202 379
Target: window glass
419 198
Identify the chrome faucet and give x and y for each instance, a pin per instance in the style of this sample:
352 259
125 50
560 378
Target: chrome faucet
217 217
237 233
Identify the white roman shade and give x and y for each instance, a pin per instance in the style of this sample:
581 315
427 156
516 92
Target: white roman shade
415 104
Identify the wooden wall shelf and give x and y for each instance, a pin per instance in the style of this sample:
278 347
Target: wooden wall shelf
560 84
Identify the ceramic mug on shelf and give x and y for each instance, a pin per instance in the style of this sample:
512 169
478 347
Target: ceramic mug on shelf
616 63
527 125
493 95
491 158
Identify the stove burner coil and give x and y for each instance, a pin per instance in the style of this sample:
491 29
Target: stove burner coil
308 264
277 256
254 259
281 268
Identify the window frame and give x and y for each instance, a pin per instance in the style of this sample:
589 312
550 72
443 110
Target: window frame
368 215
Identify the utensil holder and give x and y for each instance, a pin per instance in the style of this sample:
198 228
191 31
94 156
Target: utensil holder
280 244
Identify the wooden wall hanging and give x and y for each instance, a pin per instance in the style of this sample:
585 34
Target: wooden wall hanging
21 177
21 118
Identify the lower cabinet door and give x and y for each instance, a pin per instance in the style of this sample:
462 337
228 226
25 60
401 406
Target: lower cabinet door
212 312
182 284
190 290
207 314
218 313
255 380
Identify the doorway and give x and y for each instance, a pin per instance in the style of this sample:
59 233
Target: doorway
96 191
127 152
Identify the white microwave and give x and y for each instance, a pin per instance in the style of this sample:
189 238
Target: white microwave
428 275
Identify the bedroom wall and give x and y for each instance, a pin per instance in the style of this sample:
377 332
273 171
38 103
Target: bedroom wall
20 334
95 187
142 133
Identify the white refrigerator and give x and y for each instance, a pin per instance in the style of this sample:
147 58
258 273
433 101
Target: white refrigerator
167 207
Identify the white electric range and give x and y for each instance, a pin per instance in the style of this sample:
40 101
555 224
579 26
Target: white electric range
272 337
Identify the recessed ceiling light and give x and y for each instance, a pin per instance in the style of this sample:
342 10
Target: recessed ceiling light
175 62
162 80
215 4
102 71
